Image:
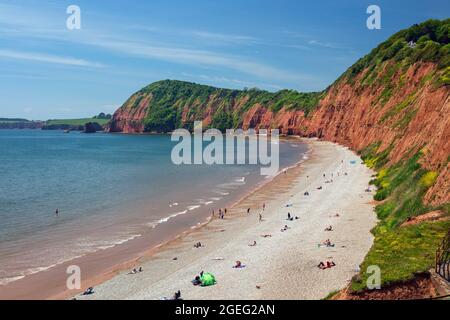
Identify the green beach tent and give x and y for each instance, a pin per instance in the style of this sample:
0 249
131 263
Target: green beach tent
207 279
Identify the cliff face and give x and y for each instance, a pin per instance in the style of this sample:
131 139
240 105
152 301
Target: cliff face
396 98
415 118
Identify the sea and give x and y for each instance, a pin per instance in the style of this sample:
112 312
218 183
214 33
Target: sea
68 195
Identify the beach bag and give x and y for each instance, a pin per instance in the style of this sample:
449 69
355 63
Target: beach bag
207 279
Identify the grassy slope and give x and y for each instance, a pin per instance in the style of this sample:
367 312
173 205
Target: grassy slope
400 252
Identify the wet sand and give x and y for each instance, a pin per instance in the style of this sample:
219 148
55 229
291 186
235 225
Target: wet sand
283 266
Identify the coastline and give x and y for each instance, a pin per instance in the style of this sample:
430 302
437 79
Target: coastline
102 265
117 269
292 254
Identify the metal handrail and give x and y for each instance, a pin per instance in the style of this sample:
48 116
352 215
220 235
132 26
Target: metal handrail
442 265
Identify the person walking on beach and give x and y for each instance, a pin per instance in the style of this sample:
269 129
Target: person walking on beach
56 212
248 211
264 206
260 217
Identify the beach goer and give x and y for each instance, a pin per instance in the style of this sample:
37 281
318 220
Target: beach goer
285 228
198 245
248 210
326 265
329 228
225 210
177 295
238 265
252 244
260 217
264 206
88 291
196 281
57 212
266 235
140 269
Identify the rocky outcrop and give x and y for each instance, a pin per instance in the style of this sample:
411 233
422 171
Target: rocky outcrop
92 127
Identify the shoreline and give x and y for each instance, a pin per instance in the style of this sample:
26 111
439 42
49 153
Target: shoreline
149 253
20 289
220 241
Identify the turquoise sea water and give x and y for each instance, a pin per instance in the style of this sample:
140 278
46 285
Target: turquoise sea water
108 188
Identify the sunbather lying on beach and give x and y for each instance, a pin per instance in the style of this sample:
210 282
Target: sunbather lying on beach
330 228
326 265
266 235
197 280
88 291
319 188
238 265
328 243
252 244
285 228
306 193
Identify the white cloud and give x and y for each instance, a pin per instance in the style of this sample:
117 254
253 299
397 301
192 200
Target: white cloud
325 44
124 44
32 56
198 57
220 37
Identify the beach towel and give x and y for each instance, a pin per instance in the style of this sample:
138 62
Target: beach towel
207 279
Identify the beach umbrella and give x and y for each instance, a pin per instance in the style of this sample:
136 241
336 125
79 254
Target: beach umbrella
207 279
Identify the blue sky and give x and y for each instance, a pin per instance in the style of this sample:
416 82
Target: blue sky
48 71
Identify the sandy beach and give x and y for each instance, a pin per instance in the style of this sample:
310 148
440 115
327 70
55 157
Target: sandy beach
281 266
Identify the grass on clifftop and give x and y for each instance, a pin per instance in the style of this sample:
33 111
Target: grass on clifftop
428 41
400 252
170 97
